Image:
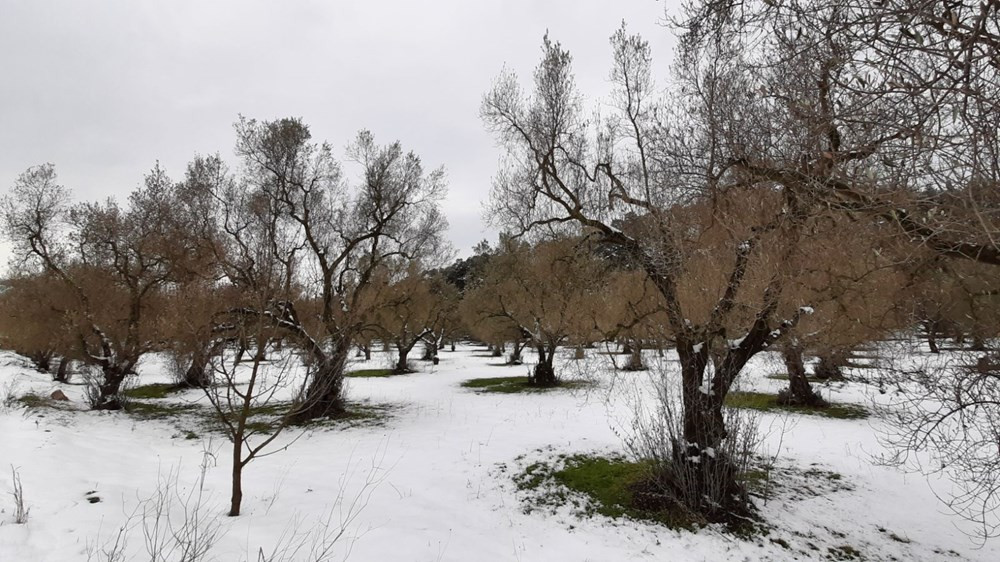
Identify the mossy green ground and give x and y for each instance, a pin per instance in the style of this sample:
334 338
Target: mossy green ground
372 373
769 402
512 385
605 485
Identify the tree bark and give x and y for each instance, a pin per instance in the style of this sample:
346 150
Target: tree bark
515 356
634 362
62 375
325 395
544 375
401 366
800 392
236 499
931 327
110 388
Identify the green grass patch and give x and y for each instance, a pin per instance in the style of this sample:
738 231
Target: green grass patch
154 391
512 385
158 410
769 402
595 485
32 400
372 373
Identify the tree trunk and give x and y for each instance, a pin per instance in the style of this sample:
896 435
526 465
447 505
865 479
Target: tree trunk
325 395
237 490
634 362
704 426
978 342
62 375
401 366
800 392
544 374
515 356
368 352
42 360
931 327
830 365
110 387
196 375
579 353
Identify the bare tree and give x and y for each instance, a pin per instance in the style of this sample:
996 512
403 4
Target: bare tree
333 236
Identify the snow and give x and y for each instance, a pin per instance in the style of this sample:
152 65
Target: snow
427 483
706 387
807 310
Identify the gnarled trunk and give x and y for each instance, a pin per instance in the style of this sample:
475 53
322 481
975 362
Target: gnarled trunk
109 389
544 374
800 392
401 361
325 395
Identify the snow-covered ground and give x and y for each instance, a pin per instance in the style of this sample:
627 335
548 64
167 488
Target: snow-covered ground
427 483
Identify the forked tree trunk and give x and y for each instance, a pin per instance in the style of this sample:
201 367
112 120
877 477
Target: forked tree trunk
401 361
42 360
544 374
515 356
109 389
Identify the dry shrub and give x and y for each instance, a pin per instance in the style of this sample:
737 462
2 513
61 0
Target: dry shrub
700 489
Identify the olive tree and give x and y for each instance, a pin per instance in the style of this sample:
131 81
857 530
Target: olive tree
332 234
114 260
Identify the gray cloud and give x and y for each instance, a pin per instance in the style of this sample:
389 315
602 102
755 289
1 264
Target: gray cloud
105 89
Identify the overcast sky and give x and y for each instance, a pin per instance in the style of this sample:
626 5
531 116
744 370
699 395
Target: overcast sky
105 89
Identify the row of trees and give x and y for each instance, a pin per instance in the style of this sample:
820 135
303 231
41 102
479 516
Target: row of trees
183 264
